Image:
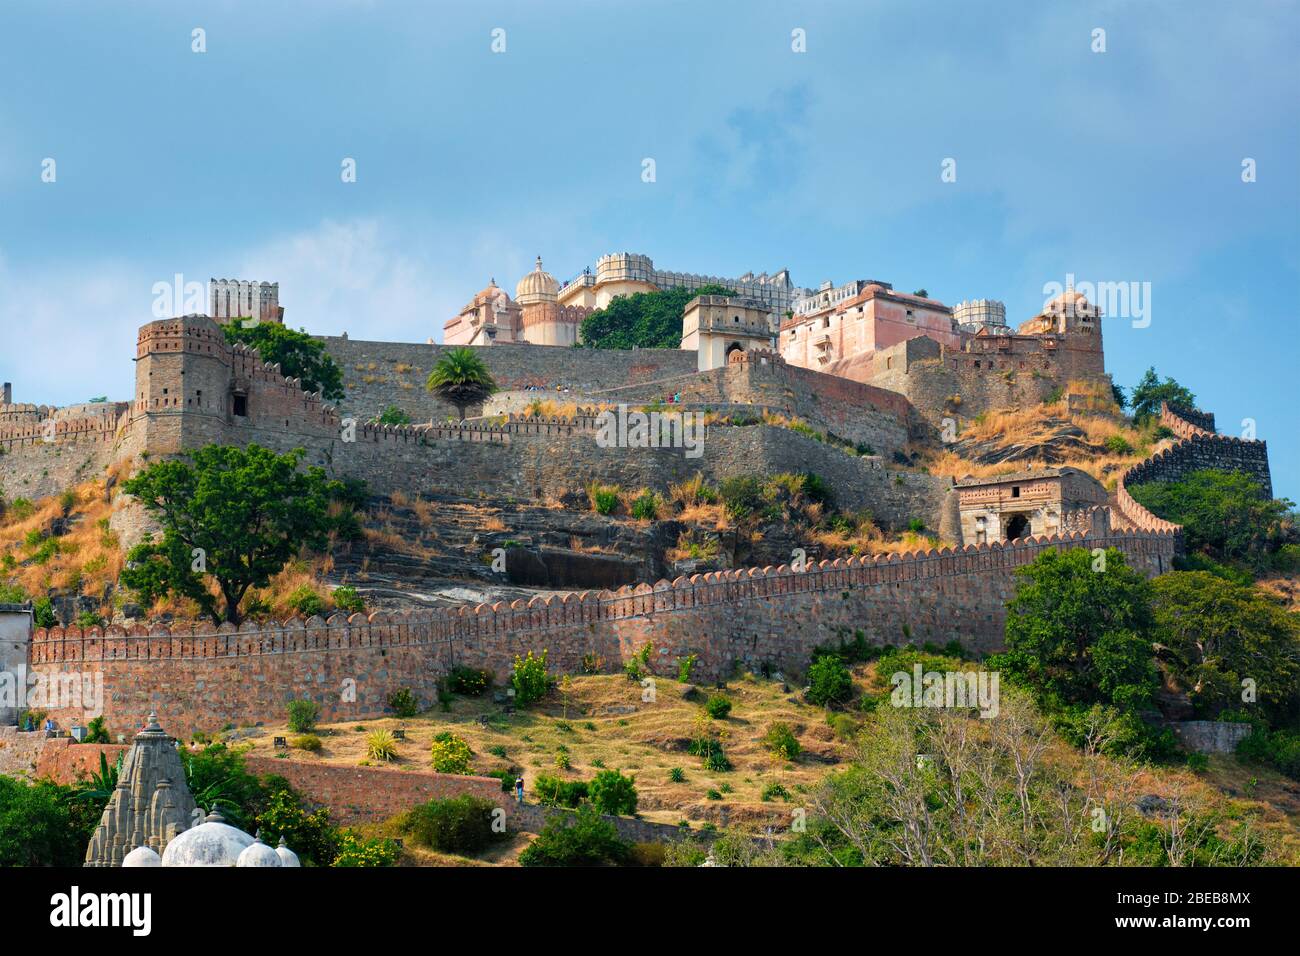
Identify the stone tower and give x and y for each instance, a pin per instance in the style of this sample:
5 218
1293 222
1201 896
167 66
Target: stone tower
184 389
151 803
240 299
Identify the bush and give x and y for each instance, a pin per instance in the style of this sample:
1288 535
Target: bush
308 742
403 703
305 601
450 754
96 731
346 598
303 715
710 750
356 850
677 775
646 506
829 681
530 679
581 840
604 498
718 707
773 790
456 825
381 745
469 681
685 665
554 792
1118 445
43 613
781 741
611 792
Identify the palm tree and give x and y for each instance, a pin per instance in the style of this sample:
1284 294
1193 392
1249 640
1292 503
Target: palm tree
462 379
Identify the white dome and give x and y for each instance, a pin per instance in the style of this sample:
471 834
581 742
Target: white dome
259 854
211 843
287 856
142 856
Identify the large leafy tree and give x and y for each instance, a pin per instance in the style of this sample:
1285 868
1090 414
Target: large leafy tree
1079 630
1150 392
233 516
44 824
1223 514
644 320
1213 634
298 354
461 378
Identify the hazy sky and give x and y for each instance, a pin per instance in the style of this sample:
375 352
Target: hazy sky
1122 166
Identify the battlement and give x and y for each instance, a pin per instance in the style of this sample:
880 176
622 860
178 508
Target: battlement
1197 447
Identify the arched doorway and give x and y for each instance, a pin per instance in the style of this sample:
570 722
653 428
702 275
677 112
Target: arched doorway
735 353
1017 527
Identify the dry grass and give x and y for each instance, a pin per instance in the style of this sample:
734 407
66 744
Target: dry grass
82 561
494 524
645 739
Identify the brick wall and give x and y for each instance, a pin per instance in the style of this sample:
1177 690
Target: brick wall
206 680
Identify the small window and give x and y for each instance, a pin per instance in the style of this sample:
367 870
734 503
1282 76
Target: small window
1015 491
241 406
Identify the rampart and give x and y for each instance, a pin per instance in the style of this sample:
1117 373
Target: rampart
208 679
1197 446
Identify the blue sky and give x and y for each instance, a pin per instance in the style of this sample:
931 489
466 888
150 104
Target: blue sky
1115 166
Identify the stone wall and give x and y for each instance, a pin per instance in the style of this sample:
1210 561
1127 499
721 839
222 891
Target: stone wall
20 751
205 680
379 374
1210 736
1196 447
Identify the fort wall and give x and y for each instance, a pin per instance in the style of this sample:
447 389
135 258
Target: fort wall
204 678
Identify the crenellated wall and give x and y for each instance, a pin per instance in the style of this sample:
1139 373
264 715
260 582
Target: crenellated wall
206 679
1197 447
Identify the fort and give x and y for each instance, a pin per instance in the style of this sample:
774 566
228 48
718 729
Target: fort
193 388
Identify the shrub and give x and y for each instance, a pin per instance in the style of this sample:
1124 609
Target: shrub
356 850
381 745
562 760
713 794
1119 445
685 665
530 679
718 707
403 703
741 496
308 742
633 669
591 663
604 498
781 741
305 601
43 613
469 681
554 792
711 752
450 754
773 790
611 792
96 731
346 598
916 525
582 840
303 715
646 506
456 825
677 775
829 681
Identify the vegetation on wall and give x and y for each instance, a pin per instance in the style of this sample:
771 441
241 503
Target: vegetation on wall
297 353
643 320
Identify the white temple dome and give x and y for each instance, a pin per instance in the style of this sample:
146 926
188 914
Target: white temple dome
287 856
537 286
259 854
142 856
212 843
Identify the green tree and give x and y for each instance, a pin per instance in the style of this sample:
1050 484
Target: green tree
461 378
611 792
229 516
298 354
1079 630
644 320
44 824
392 415
1223 514
577 839
1150 392
1213 634
829 681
